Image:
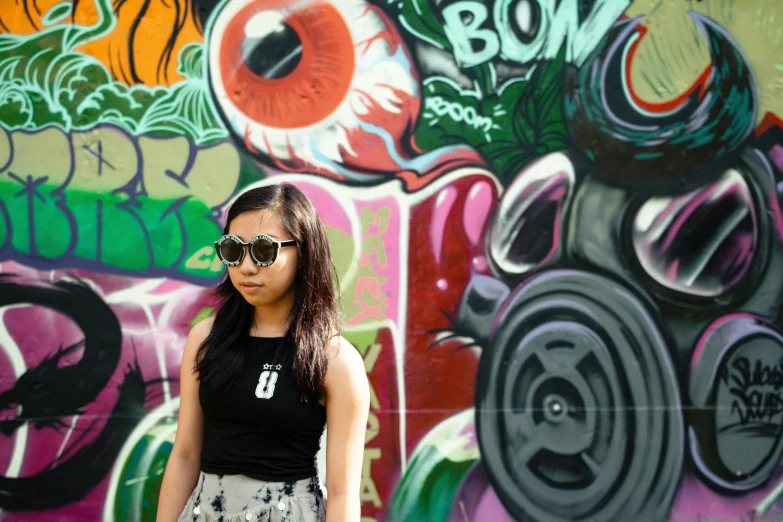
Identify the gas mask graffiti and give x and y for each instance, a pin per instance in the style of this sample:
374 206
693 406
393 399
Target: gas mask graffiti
622 285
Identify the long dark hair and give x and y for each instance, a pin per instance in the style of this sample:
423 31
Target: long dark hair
315 315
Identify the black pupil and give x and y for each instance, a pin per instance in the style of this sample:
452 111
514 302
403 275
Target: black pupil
275 54
263 251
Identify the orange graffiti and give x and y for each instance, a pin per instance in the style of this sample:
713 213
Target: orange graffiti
24 16
143 47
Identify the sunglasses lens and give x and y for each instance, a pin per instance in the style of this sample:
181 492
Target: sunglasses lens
263 251
231 251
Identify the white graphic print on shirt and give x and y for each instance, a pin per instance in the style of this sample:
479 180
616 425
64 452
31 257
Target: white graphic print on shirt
267 381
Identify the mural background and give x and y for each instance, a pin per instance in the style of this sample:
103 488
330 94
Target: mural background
557 227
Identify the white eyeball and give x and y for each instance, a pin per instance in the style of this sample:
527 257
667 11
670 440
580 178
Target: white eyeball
310 85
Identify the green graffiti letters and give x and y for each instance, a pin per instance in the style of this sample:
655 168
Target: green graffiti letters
103 197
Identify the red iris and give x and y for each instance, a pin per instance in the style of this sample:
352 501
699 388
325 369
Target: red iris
312 75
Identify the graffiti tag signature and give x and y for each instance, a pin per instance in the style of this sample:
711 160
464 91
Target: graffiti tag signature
756 389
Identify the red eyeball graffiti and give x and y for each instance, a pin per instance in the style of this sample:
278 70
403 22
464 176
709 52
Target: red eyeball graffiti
322 86
286 70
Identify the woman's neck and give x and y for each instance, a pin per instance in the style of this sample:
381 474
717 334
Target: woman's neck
271 321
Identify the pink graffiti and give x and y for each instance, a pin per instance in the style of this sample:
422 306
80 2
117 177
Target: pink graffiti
776 154
155 317
443 204
477 211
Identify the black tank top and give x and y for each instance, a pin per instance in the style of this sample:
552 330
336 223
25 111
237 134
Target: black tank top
258 426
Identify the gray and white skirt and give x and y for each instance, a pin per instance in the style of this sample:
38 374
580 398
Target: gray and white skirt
237 498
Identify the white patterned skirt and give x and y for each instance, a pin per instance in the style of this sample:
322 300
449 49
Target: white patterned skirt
237 498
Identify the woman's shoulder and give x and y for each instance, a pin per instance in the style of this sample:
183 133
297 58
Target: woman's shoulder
346 379
343 358
202 328
199 332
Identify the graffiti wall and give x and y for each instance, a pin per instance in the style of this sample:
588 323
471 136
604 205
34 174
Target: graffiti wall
557 226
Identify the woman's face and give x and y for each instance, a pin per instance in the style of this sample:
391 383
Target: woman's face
264 285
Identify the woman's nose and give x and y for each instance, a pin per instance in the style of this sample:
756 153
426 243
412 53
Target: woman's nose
248 265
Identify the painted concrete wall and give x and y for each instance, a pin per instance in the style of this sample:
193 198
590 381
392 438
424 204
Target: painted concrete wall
557 227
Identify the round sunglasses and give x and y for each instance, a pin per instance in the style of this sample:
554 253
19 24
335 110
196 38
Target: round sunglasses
263 249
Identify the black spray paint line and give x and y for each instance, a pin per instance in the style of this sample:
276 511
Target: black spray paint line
46 393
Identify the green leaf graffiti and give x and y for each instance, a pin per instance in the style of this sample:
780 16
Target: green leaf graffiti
57 13
44 80
420 19
521 122
537 121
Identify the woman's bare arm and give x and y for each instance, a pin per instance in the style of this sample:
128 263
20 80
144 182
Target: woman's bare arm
184 464
347 408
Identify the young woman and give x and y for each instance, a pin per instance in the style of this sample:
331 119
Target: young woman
263 376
